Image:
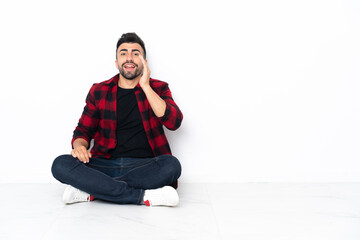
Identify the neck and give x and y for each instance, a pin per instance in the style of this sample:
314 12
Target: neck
126 83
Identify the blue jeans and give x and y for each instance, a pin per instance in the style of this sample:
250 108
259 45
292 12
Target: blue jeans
121 180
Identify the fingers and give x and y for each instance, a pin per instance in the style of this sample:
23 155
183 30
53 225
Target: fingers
142 59
146 70
82 154
144 80
144 62
83 157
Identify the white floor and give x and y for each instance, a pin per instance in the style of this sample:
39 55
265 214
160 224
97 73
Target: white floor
261 211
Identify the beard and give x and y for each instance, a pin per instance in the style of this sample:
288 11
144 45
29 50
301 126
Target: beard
130 75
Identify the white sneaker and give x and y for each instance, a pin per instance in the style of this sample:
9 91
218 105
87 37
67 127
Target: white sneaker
165 196
74 195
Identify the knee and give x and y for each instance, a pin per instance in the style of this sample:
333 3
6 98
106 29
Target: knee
173 166
62 165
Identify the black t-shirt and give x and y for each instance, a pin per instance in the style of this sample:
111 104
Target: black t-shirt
130 133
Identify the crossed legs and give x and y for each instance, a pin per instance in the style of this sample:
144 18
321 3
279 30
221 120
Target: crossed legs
122 180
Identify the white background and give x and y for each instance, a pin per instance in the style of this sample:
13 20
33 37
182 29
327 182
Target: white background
269 89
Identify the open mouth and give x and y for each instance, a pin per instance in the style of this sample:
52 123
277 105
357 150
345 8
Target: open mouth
129 66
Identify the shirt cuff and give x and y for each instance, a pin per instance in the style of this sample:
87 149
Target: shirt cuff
167 113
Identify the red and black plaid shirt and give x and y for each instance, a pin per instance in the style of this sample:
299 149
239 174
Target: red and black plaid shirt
99 121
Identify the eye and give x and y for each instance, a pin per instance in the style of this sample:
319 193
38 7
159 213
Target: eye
136 54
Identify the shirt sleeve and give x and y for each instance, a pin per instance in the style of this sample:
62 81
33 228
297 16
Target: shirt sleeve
89 120
173 116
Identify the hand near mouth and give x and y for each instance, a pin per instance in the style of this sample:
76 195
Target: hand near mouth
158 105
145 77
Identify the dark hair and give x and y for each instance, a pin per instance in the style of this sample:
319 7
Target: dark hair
130 38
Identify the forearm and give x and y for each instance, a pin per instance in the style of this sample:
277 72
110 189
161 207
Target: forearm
158 105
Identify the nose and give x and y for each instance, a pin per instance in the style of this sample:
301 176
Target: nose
129 57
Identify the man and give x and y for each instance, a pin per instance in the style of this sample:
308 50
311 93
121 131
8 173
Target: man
131 161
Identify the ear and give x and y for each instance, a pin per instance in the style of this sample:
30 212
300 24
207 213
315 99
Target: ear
116 64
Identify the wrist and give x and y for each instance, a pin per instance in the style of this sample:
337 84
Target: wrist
80 142
146 87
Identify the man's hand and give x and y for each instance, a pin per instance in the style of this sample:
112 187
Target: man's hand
80 150
82 154
145 78
157 104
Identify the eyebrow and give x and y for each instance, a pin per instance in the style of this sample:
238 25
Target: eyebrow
132 50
